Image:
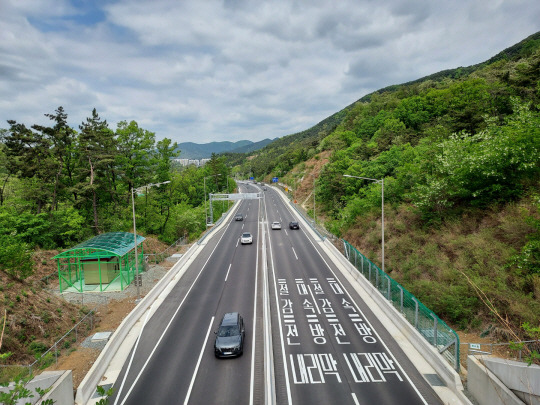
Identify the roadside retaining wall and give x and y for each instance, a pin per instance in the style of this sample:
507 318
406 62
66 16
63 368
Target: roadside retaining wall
485 387
499 381
59 383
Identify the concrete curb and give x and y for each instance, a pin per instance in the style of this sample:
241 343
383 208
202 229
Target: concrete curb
92 379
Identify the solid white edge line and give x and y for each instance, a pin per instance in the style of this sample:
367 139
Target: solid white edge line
198 362
367 320
172 318
252 377
133 353
287 382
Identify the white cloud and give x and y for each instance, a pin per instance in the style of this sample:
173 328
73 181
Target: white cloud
229 70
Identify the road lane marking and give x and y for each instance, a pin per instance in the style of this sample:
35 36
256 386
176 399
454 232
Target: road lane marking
355 399
229 269
133 354
252 377
198 362
285 367
359 310
369 323
171 320
294 253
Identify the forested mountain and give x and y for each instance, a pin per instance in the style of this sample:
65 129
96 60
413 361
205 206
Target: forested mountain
191 150
459 154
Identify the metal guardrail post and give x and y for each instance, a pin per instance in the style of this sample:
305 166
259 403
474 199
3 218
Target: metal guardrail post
456 354
416 314
369 272
434 330
401 298
389 295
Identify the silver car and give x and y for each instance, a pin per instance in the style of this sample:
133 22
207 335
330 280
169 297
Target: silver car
246 238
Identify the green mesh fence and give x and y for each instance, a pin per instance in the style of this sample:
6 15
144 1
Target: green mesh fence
430 326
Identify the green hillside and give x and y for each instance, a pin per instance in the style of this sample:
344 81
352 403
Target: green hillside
459 154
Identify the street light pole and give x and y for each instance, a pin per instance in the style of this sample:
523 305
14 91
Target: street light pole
133 190
381 182
205 210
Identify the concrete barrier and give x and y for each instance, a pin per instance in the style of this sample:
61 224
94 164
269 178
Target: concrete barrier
61 392
58 383
522 380
88 386
486 388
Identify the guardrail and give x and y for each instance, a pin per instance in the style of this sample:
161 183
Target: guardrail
425 321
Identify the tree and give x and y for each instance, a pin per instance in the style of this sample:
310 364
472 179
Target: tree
135 148
62 139
165 151
97 155
5 173
29 157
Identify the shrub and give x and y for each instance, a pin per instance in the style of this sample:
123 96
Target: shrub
15 258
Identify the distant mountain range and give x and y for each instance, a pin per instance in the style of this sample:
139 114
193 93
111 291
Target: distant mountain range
191 150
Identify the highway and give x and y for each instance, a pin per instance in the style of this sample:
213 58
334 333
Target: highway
328 348
173 361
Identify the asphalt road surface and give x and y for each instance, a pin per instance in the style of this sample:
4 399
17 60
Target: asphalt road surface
328 348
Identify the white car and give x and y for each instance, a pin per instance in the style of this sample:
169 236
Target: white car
246 238
276 225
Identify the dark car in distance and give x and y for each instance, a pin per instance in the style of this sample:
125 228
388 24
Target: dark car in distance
294 225
230 336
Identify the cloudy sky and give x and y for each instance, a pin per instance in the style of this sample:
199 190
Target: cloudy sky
209 70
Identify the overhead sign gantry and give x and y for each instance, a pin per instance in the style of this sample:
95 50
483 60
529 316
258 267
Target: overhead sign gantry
231 197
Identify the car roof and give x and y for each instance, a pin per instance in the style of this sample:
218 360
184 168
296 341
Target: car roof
230 318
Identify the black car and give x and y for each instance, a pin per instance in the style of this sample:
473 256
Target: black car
238 217
230 336
294 225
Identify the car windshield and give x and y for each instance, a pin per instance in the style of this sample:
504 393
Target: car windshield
226 331
246 235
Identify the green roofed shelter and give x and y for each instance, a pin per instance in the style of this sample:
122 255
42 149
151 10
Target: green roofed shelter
106 261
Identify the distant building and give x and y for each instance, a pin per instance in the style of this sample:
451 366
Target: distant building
196 162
